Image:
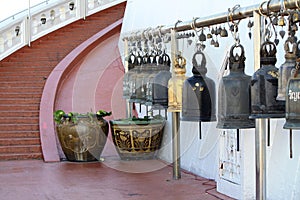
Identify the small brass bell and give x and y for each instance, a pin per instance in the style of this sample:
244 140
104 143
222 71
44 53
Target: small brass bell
216 44
295 17
224 32
281 21
175 85
286 68
202 36
209 35
212 42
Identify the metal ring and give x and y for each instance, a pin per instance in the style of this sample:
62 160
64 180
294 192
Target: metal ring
297 4
159 31
283 7
260 10
175 26
193 24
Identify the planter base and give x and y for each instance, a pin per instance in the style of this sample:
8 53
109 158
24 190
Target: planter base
84 141
137 140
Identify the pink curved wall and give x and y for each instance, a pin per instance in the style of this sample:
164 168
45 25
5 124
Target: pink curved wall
88 79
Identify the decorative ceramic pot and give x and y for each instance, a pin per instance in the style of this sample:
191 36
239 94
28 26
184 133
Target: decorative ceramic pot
83 140
137 139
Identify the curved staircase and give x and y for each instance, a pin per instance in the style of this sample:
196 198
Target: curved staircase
22 78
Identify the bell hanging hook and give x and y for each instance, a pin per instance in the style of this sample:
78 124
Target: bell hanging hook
200 38
175 26
234 26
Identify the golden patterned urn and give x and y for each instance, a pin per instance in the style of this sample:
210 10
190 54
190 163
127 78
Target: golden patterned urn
136 138
82 138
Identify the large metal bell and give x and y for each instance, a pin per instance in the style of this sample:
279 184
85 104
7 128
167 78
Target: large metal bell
264 86
127 80
234 98
160 83
175 85
292 105
290 47
198 94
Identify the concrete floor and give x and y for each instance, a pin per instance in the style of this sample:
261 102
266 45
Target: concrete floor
111 179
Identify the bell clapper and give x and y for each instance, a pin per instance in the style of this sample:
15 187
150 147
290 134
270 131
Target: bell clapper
268 136
291 143
200 132
237 139
166 114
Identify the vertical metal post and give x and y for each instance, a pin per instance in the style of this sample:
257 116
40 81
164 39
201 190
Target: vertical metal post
176 145
260 130
175 119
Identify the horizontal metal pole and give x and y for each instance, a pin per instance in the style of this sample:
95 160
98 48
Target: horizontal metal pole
240 13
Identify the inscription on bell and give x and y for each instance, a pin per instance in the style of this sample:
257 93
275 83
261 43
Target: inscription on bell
273 74
295 96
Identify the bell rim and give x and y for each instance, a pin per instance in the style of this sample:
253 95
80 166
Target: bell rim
290 125
198 119
273 115
222 125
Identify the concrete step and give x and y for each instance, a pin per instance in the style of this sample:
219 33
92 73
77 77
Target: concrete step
19 127
19 134
20 149
19 141
19 83
25 73
19 108
21 95
18 113
20 89
19 120
21 78
20 156
19 101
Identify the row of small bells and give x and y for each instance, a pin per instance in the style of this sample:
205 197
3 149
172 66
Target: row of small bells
146 81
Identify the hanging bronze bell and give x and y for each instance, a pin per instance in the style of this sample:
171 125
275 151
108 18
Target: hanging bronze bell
264 86
140 88
160 83
234 95
127 80
134 78
198 95
292 105
175 85
286 68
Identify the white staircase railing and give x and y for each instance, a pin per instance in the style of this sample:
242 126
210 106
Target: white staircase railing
24 27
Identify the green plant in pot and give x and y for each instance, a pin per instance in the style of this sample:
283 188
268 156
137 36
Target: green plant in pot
82 136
